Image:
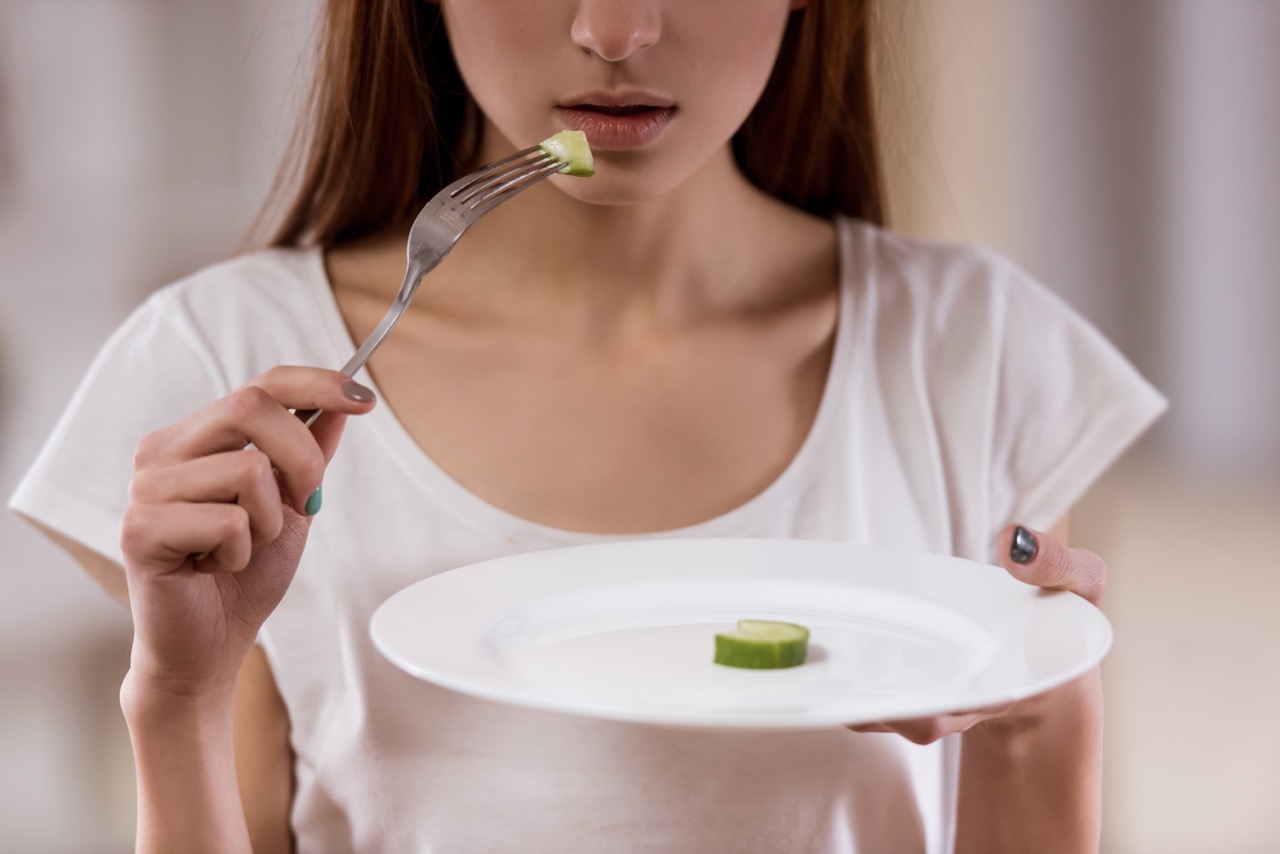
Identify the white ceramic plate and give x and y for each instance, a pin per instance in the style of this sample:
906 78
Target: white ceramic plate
625 630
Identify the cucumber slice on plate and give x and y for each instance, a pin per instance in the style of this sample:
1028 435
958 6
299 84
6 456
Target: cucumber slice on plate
570 148
762 645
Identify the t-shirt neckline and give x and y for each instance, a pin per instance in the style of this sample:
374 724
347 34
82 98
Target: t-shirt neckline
417 466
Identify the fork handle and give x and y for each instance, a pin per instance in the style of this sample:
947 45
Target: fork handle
357 360
412 278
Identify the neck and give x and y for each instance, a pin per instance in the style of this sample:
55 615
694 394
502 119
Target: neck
714 245
666 259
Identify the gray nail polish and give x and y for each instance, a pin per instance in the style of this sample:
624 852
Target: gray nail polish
1024 547
354 391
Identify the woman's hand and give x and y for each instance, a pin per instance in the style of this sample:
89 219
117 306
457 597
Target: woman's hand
1030 771
214 529
1036 558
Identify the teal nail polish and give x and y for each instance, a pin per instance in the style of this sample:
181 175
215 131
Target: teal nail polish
314 501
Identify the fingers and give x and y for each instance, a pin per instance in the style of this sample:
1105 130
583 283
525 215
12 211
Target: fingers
261 414
1039 559
931 729
243 478
157 538
222 481
921 730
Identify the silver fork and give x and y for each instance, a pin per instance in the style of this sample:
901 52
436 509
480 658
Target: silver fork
440 223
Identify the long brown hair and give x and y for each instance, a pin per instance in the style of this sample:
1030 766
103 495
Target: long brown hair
389 121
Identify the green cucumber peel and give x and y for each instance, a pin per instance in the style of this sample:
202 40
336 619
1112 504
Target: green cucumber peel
762 645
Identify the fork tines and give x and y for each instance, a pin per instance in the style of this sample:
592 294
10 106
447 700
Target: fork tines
505 177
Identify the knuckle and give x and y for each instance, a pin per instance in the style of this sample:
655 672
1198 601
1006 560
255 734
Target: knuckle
137 530
275 374
249 401
256 467
234 523
133 529
140 487
147 450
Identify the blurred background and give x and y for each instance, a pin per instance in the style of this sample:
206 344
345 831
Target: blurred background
1125 153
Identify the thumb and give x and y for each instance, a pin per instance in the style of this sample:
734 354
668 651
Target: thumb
1036 558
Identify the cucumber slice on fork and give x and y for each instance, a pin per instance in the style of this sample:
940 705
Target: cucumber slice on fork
570 148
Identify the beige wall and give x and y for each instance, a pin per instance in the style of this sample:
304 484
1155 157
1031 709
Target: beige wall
136 137
949 118
1123 152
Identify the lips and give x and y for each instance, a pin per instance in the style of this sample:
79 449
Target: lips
618 120
615 111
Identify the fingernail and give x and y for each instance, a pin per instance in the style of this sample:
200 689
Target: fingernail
314 501
1024 547
354 391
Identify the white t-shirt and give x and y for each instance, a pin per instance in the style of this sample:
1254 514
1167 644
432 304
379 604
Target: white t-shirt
962 396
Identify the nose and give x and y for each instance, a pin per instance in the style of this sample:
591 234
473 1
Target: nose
615 29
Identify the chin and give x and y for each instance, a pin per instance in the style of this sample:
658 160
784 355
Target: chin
610 195
615 185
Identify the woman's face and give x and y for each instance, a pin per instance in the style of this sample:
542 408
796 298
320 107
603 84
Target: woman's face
659 86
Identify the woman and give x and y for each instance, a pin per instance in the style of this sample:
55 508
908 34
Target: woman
711 337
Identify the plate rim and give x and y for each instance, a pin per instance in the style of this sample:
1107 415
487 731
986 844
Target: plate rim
1094 622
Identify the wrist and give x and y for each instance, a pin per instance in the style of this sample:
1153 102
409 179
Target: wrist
148 700
1076 704
1031 780
184 759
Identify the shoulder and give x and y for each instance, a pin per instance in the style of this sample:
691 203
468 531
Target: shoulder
282 290
943 285
247 282
887 261
246 314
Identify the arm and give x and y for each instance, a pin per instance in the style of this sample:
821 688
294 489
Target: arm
184 755
211 538
1034 783
1031 780
260 728
174 741
235 767
1029 770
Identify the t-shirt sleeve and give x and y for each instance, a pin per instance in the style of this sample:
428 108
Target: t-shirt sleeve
151 372
1067 405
